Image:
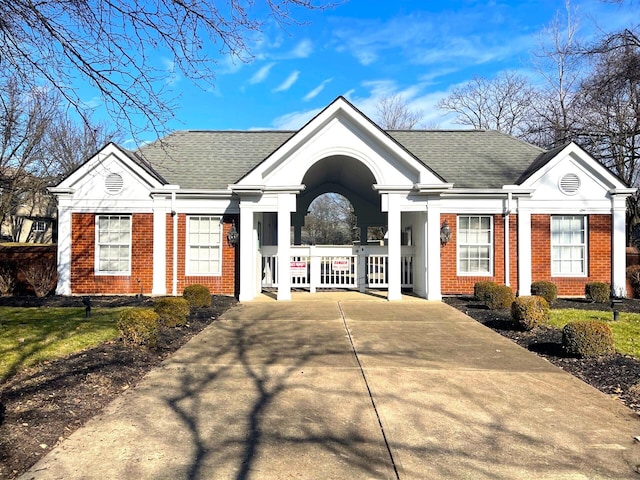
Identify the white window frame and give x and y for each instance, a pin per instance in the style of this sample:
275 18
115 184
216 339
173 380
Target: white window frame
188 246
37 224
583 245
459 246
97 269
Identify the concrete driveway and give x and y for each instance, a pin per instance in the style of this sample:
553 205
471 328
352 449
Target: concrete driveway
352 388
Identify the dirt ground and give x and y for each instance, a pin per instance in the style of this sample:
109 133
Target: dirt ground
618 375
41 406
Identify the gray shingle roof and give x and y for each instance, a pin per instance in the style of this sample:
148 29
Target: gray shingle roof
215 159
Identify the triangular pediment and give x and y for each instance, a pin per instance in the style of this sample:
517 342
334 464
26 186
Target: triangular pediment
110 171
340 131
571 172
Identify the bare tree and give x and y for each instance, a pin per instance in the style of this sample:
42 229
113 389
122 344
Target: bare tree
560 63
33 132
393 113
503 104
330 221
117 46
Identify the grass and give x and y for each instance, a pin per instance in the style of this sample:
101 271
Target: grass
29 336
626 331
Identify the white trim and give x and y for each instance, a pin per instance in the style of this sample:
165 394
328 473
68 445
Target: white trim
585 246
491 247
96 266
188 245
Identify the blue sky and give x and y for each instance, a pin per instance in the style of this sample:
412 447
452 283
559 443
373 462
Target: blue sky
363 49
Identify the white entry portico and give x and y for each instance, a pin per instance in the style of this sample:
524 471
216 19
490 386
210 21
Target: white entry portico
341 151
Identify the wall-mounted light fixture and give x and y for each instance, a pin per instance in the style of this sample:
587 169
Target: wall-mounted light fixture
445 234
233 236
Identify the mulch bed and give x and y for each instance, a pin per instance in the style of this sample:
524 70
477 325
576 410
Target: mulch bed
41 406
617 375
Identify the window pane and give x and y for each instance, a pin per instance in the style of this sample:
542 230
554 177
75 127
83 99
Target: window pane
475 244
204 240
114 243
568 244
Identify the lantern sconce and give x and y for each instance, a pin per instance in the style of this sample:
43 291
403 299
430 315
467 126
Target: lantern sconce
445 234
233 236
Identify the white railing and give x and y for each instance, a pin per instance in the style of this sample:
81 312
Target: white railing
336 267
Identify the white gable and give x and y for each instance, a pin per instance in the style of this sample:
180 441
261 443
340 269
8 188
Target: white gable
110 179
573 177
341 130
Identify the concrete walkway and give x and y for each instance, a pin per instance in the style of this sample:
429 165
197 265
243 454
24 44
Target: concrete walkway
346 388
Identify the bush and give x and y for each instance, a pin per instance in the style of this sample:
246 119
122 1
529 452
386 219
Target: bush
546 290
587 339
530 312
7 281
139 327
197 296
42 275
173 311
633 274
481 290
597 292
499 297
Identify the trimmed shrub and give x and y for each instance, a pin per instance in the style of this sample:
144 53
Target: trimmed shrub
197 295
587 339
597 292
546 290
530 311
173 311
481 289
139 327
499 297
633 274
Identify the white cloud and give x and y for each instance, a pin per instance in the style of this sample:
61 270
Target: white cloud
314 93
173 77
295 120
262 74
288 83
302 50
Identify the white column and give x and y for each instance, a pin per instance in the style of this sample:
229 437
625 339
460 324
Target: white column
394 249
524 251
618 245
247 254
64 248
432 255
159 248
284 246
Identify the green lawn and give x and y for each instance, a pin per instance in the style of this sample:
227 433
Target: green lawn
626 331
32 335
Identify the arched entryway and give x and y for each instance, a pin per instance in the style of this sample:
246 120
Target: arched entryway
361 264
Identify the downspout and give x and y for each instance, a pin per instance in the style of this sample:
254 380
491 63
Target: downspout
174 215
507 264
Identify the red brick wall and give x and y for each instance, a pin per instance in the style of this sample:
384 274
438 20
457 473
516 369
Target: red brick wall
83 278
598 254
453 284
225 284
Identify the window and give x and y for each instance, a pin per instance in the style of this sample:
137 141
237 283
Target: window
113 244
203 251
568 245
475 247
39 226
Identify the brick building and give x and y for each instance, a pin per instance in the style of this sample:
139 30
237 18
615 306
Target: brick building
226 208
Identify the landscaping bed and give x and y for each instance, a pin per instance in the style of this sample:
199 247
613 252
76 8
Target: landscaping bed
42 405
617 375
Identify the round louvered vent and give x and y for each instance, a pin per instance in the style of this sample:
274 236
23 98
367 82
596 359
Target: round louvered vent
570 184
113 183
